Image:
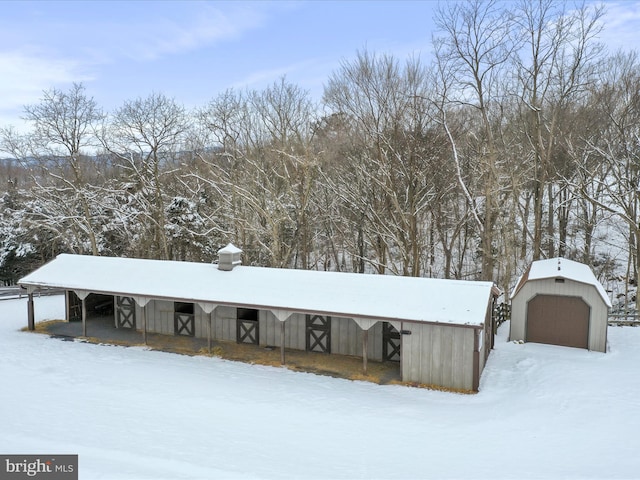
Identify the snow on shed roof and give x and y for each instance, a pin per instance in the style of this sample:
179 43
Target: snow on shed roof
340 294
561 268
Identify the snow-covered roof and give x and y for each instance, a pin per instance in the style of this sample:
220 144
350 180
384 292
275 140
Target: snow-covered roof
384 297
230 248
561 268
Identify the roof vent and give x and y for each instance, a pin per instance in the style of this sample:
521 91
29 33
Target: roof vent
229 257
558 263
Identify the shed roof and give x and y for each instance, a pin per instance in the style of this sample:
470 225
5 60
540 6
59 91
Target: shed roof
561 268
332 293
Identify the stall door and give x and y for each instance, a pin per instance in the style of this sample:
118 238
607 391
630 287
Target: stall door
247 326
390 342
125 312
75 306
318 333
184 319
558 320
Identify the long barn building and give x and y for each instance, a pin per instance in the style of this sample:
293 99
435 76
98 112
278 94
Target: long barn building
440 331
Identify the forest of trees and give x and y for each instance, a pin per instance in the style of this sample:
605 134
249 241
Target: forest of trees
519 140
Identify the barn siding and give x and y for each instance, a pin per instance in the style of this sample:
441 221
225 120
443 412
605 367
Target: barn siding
295 332
438 355
375 342
201 322
224 321
346 338
599 310
160 317
432 354
269 329
346 335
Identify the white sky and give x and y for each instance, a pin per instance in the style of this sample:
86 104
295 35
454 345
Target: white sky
193 51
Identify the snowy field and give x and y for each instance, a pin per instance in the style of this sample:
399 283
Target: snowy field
543 412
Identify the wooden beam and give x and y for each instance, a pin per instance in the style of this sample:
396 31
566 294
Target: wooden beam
144 323
401 352
67 305
365 348
209 332
31 317
84 316
282 340
476 360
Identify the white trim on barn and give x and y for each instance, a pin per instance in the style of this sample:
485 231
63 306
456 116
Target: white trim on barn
442 322
560 302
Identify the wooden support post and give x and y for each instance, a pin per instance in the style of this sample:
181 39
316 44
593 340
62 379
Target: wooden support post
476 360
365 348
67 305
282 343
209 332
144 324
31 316
401 352
84 316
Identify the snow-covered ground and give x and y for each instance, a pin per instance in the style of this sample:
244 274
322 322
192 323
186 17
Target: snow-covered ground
542 412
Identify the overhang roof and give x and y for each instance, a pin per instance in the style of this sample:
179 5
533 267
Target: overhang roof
351 295
561 268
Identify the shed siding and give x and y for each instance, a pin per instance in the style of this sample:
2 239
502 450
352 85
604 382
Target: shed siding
599 311
438 355
487 334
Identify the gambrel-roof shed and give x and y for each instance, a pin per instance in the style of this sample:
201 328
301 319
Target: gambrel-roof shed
560 302
446 325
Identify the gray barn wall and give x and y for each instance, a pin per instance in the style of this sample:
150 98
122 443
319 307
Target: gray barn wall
599 310
294 330
438 355
223 323
432 354
346 335
346 338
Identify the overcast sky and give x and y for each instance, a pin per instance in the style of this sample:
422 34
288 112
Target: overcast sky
193 51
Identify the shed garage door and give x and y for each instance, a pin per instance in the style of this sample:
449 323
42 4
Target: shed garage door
558 320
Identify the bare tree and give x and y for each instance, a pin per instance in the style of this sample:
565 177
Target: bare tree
384 183
555 66
618 144
63 127
146 135
471 53
263 168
